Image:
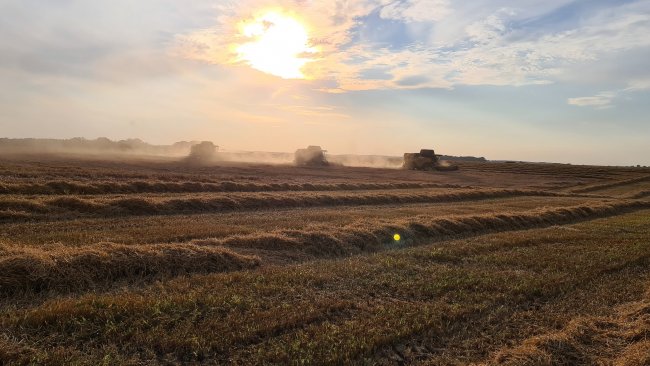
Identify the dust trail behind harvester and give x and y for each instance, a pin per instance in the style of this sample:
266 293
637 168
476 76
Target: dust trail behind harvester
369 161
199 153
279 158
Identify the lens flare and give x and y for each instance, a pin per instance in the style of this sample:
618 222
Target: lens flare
279 45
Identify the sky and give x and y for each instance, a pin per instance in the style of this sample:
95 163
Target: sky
536 80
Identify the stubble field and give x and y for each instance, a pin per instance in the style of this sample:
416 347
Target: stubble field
148 262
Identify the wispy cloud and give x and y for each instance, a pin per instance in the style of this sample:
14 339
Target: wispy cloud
606 99
416 10
600 101
638 85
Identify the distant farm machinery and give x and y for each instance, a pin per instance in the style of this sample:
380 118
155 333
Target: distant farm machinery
311 156
426 159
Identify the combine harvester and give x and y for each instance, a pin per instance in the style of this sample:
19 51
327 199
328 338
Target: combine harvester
203 153
426 160
311 156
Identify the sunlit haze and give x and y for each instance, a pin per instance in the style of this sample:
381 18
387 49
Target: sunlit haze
560 81
278 45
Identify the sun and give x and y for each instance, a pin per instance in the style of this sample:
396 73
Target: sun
279 45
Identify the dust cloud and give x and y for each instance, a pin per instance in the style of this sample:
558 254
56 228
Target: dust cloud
189 152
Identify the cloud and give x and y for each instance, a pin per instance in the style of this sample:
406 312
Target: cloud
605 99
416 10
328 23
93 41
600 101
491 46
414 80
638 85
440 43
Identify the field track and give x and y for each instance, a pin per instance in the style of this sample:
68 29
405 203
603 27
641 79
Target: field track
154 262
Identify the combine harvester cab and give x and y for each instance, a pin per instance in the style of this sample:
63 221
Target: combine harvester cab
426 159
311 156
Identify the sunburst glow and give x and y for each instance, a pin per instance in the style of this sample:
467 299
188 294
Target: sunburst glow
279 45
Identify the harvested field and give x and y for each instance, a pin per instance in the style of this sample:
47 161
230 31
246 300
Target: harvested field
46 207
108 187
618 338
616 184
156 262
